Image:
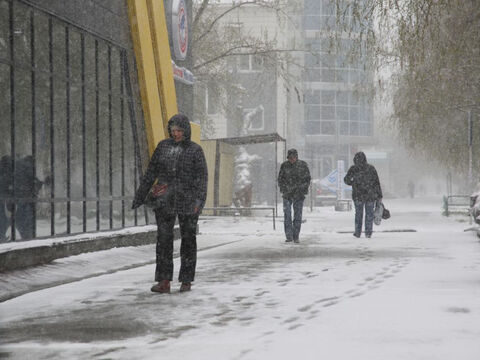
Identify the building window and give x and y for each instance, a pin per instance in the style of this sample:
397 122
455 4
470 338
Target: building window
313 7
354 128
254 118
256 62
326 165
344 128
211 101
342 113
328 97
328 75
328 127
312 97
250 63
313 112
328 112
312 127
244 62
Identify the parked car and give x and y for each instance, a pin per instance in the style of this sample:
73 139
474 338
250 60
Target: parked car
323 196
326 194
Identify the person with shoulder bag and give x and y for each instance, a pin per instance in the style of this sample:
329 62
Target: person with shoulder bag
178 165
366 191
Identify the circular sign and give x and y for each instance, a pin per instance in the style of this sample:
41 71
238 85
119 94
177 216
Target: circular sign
180 29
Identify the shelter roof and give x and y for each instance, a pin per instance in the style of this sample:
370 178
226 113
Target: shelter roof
252 139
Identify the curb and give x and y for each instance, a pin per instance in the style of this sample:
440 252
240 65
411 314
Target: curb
31 256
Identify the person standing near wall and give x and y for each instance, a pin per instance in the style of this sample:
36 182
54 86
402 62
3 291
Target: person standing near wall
180 167
24 189
366 190
293 181
5 192
27 186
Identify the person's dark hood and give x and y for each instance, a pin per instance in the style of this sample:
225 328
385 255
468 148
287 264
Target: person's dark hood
182 122
360 159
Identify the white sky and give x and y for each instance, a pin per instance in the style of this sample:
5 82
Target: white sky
399 295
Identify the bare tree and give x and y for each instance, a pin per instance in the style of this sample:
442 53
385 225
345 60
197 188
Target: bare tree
218 41
433 47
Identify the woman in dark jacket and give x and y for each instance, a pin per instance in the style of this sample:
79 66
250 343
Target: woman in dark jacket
180 167
366 190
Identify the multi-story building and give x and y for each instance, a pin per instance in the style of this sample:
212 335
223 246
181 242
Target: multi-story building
320 106
338 117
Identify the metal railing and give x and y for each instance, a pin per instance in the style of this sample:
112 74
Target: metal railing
68 105
239 211
456 204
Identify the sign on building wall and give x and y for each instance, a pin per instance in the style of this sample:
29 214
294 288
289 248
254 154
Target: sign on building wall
179 29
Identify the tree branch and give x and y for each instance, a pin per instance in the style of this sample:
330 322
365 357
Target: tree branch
199 13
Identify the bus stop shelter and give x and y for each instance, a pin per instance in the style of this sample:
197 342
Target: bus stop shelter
260 139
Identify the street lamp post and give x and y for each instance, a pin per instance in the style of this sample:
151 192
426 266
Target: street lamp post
470 149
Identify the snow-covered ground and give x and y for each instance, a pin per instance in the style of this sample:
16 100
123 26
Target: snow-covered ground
399 295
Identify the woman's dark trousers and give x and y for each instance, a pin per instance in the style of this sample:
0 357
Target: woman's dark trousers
369 207
188 247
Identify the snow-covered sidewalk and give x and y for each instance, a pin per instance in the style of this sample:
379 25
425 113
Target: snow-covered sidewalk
399 295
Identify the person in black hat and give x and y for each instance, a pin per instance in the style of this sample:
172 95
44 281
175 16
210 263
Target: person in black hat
293 181
366 191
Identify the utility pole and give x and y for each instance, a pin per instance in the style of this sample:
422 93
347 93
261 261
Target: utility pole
470 150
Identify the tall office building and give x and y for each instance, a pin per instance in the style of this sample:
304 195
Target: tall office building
338 117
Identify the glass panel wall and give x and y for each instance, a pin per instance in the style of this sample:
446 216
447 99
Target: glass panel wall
68 152
327 67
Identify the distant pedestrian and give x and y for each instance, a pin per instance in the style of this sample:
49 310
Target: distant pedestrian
179 165
366 191
411 189
293 181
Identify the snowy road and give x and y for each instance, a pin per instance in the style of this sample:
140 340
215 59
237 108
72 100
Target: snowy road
399 295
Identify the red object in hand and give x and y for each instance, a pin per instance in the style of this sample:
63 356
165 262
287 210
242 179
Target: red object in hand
159 189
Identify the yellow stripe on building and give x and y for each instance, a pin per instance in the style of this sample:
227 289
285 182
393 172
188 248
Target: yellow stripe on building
152 52
163 59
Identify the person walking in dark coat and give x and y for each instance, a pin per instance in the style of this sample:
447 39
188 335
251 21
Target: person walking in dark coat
180 167
366 191
293 181
411 189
